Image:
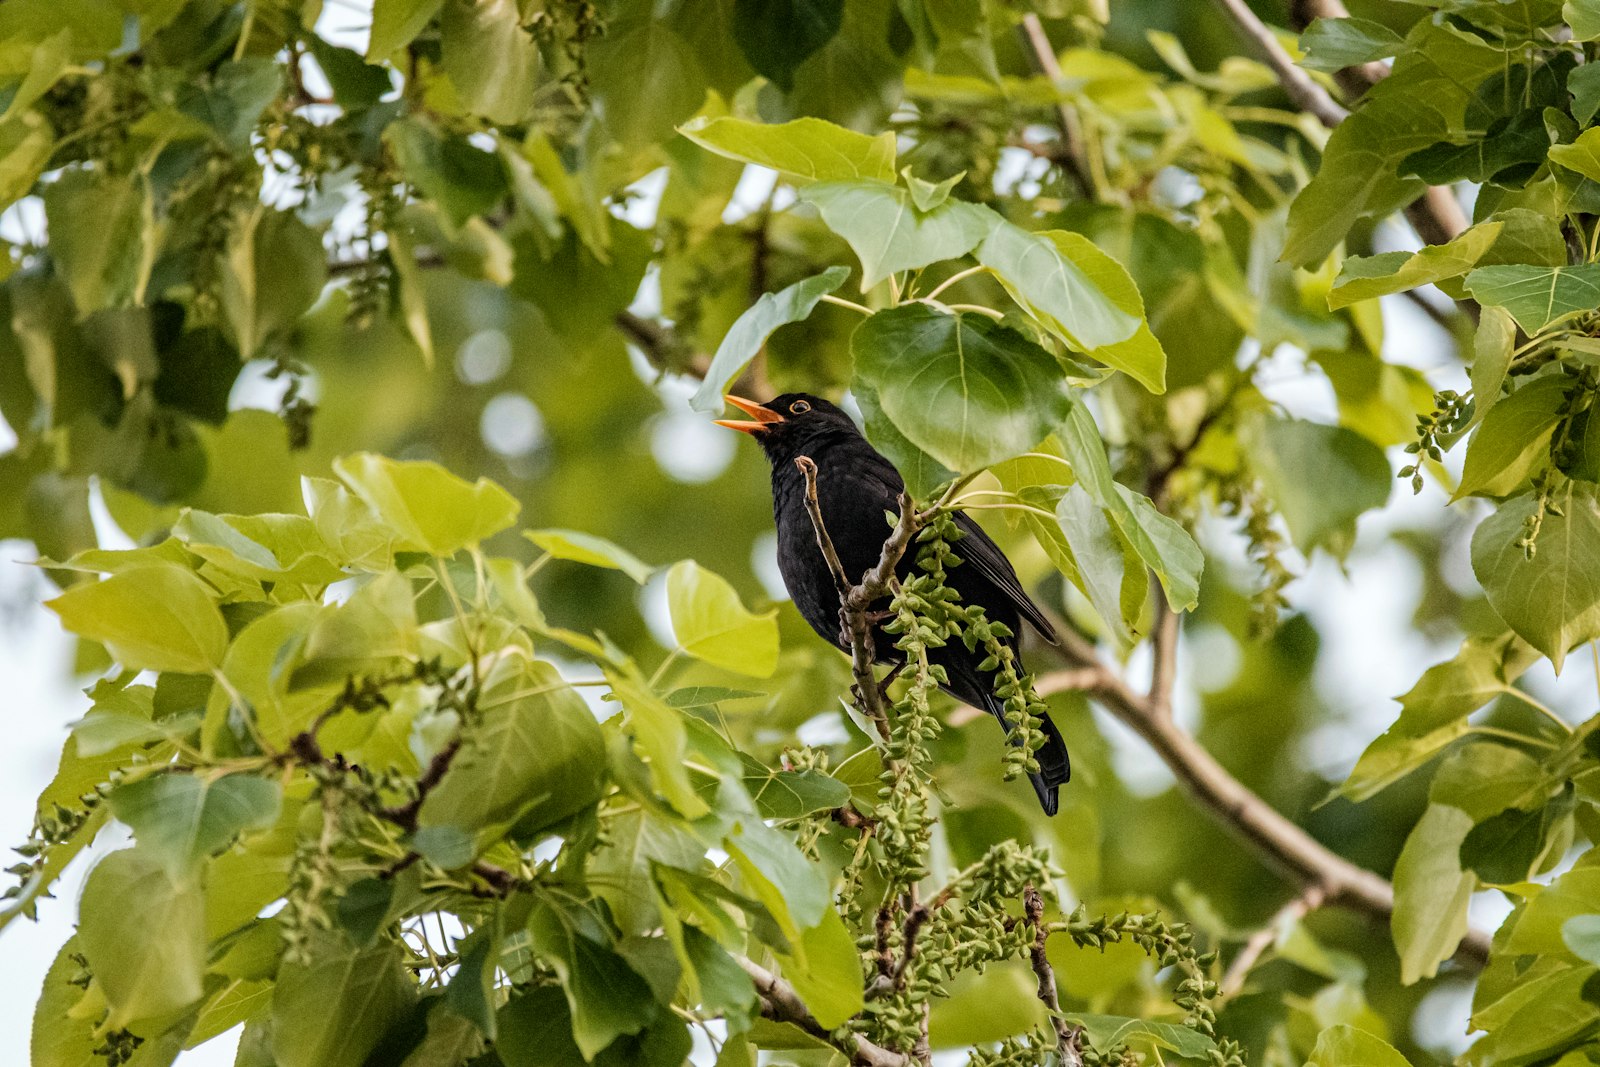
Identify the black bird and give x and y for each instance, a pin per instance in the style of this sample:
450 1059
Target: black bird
855 486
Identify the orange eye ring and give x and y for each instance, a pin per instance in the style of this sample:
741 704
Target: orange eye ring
799 407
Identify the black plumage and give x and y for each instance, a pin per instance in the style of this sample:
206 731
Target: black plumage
856 485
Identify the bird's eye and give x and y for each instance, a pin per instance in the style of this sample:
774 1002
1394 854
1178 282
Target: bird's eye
799 407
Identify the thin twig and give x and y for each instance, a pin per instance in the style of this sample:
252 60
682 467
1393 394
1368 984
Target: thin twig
1283 843
1309 900
854 625
780 1003
1164 649
1071 156
1067 1035
1302 89
1436 215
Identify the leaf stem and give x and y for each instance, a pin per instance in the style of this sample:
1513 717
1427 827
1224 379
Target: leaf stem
959 275
1539 706
1510 735
661 671
1011 507
978 309
829 298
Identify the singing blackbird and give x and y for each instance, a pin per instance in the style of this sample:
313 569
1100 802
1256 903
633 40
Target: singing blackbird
856 485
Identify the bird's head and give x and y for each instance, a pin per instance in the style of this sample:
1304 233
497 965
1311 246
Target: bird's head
786 425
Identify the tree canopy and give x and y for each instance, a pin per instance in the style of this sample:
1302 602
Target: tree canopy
445 688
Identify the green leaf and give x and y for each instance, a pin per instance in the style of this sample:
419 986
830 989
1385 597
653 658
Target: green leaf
608 999
658 732
159 617
1545 1014
1334 44
889 234
1366 277
750 331
1423 101
1099 559
1513 440
446 846
429 508
410 304
1492 345
712 625
65 1036
271 273
334 1010
535 754
1163 544
594 551
356 84
646 78
1584 18
1322 478
1434 712
1581 935
702 696
99 237
1079 293
183 819
786 794
1506 848
1345 1046
1107 1032
26 142
825 970
964 389
490 59
1537 296
396 23
921 472
471 992
142 928
1485 778
807 149
1431 893
776 36
1552 601
1582 155
1584 85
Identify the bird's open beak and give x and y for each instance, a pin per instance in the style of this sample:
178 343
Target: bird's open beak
763 417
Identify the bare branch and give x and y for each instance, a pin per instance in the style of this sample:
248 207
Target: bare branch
1067 1035
1309 900
1164 648
1280 841
855 625
1301 87
1071 153
780 1003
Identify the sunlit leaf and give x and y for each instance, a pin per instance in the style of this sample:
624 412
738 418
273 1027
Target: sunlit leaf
158 617
712 625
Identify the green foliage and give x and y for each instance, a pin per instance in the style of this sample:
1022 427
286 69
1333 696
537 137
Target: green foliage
1072 303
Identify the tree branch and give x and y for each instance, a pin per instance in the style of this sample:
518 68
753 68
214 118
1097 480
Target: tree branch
1067 1035
1301 87
854 625
1309 900
780 1003
1164 650
1436 215
1280 841
1071 154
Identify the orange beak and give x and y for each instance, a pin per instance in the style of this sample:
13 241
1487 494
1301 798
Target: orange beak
763 417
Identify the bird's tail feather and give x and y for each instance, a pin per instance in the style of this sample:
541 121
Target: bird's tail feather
1055 766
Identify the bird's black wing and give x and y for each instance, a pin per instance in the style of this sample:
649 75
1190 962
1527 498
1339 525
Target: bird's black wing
984 556
977 550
